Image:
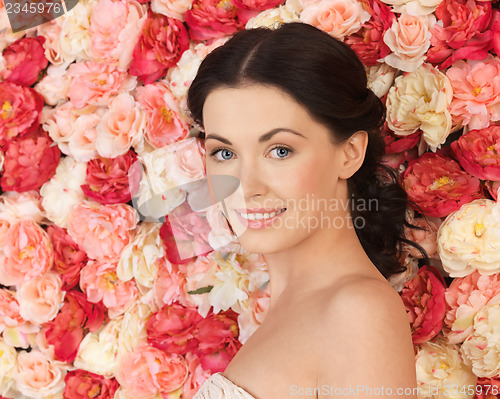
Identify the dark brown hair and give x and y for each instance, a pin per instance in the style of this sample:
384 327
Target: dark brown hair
325 76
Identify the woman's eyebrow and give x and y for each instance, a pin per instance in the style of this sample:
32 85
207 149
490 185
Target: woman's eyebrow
265 137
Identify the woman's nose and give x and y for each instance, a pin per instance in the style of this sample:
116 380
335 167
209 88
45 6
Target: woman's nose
252 179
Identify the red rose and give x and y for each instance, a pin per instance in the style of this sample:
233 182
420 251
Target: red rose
69 259
81 384
162 42
65 332
111 181
438 184
247 9
30 161
20 113
212 19
423 297
25 59
368 43
478 151
487 388
399 149
218 337
463 34
172 329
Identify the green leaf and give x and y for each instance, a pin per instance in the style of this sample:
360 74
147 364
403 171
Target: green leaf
201 290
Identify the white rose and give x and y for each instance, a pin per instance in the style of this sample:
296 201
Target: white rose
420 100
413 7
75 37
27 205
63 190
8 356
272 18
54 86
171 8
380 78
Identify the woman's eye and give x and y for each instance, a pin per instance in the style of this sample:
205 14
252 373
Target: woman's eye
225 153
282 152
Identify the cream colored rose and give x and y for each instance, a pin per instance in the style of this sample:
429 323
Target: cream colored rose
469 239
439 366
54 86
98 351
338 18
123 394
413 7
75 36
380 78
171 8
40 299
481 350
27 205
121 127
63 190
39 377
272 18
8 356
133 327
138 258
420 100
409 38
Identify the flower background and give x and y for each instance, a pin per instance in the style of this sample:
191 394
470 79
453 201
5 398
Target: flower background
95 301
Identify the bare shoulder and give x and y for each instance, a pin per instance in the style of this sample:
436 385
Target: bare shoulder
371 345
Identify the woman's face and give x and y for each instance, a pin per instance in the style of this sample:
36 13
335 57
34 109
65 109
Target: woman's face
283 159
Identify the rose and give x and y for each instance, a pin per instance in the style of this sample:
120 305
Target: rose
30 161
20 111
172 329
54 86
161 44
171 8
81 383
272 18
212 19
96 83
7 366
9 310
218 337
147 371
112 181
69 259
476 93
478 151
367 42
462 32
101 283
27 253
75 35
169 285
15 206
438 184
196 376
399 149
39 299
409 39
65 332
102 231
254 312
413 7
423 297
248 9
114 30
51 31
425 238
338 18
25 60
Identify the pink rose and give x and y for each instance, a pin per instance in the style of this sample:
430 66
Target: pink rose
478 152
114 30
69 259
438 184
164 123
425 238
27 253
102 231
185 234
101 283
160 47
248 9
463 34
148 371
25 60
172 329
65 332
21 108
212 19
423 297
493 187
464 298
51 31
108 180
95 83
367 43
30 161
9 310
169 284
476 93
487 388
218 336
39 298
190 157
196 376
38 376
399 149
84 384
